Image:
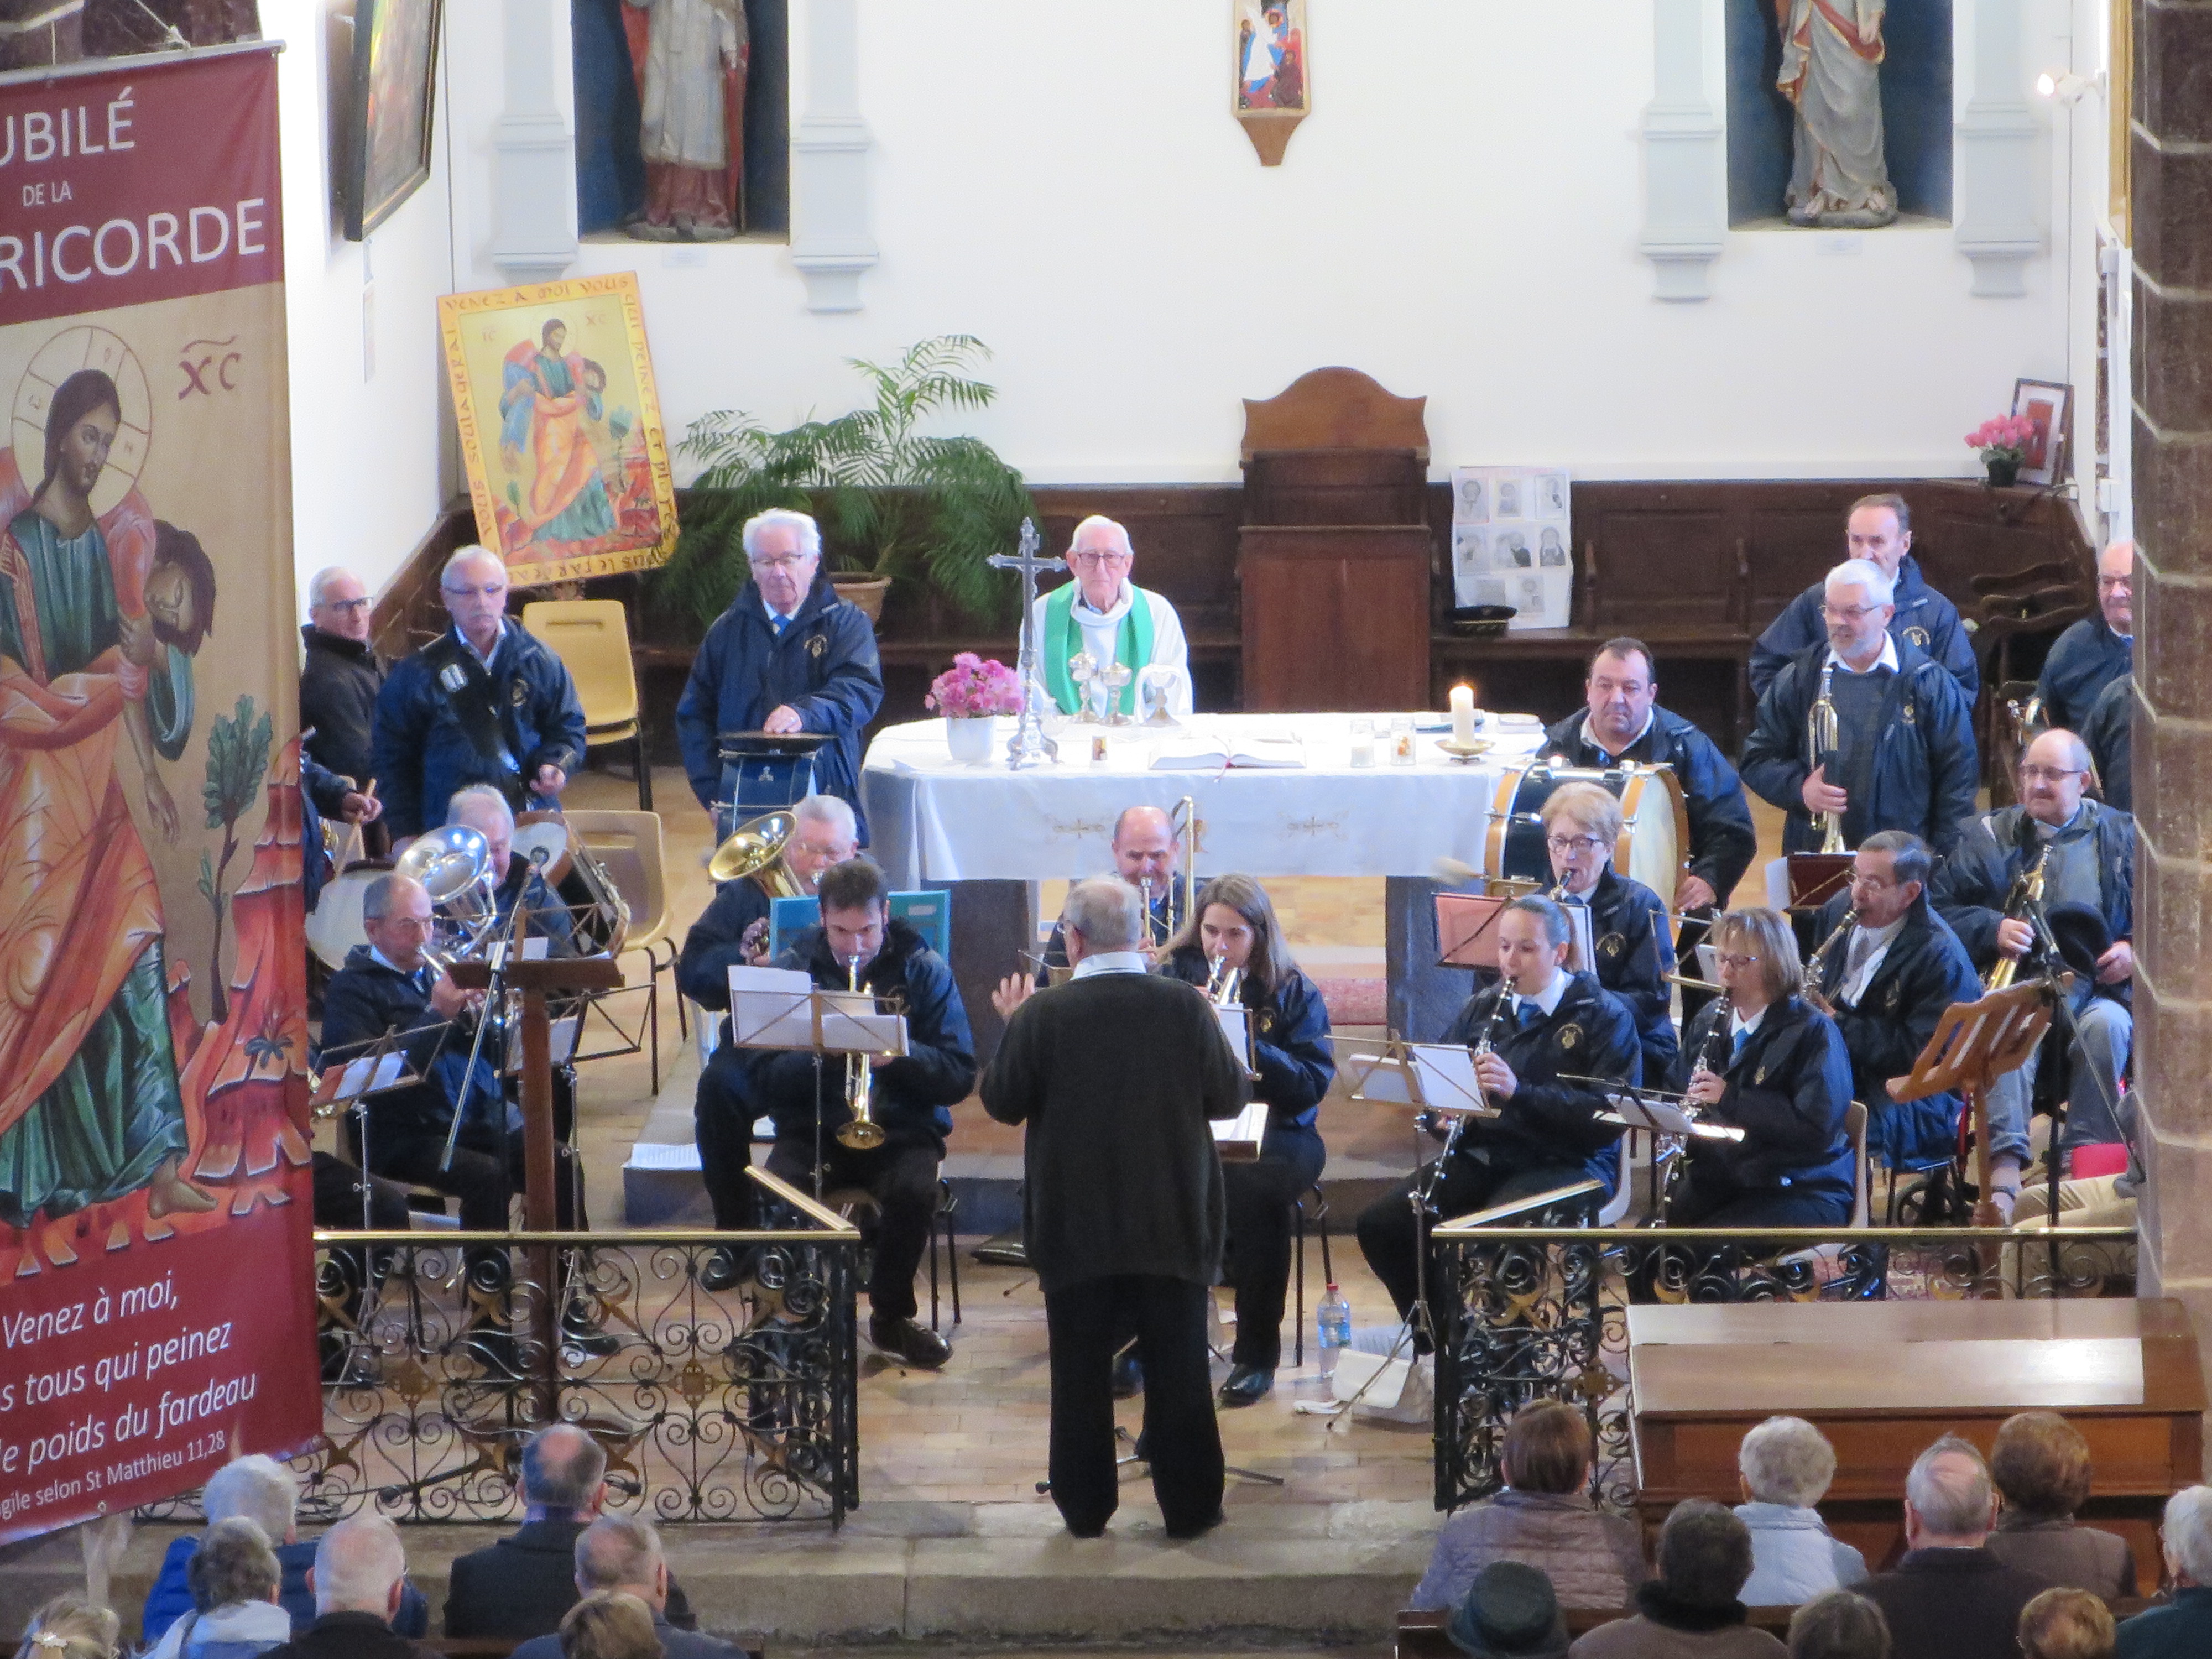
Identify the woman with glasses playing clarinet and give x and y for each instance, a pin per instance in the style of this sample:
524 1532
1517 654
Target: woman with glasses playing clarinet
1634 950
1765 1061
1232 945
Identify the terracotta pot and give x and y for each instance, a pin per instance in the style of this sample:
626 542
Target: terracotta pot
866 591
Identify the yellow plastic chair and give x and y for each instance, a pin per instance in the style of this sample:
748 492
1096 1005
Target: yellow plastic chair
627 846
592 638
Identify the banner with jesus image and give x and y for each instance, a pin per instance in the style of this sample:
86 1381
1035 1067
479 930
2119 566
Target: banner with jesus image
156 1295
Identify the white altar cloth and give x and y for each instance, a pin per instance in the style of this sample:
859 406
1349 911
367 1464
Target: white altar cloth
933 820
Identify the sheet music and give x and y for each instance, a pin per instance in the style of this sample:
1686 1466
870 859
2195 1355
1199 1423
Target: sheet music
534 949
1379 1078
1582 949
1659 1115
561 1043
1237 1025
355 1078
774 1008
1446 1073
663 1155
1247 1128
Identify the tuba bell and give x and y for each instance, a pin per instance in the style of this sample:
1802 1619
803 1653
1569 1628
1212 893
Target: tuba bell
755 849
453 864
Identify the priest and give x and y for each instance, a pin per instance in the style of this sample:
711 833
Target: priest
1105 614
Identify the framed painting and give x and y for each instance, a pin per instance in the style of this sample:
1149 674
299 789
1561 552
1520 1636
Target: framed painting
560 427
387 131
1272 90
2043 457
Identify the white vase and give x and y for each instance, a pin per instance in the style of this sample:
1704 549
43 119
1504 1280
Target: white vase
971 741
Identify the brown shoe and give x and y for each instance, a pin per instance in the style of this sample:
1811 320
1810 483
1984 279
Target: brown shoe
914 1344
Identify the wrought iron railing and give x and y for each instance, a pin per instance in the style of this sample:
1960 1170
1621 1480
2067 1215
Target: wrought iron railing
1532 1303
443 1352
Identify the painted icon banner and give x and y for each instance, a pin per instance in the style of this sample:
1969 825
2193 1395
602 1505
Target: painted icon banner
156 1270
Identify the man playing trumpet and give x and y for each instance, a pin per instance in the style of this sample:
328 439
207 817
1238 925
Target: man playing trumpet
1145 847
858 944
1538 1025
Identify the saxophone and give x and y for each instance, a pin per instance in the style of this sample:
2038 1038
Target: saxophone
1822 737
1819 961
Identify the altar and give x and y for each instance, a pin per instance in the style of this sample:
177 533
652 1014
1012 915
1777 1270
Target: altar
934 821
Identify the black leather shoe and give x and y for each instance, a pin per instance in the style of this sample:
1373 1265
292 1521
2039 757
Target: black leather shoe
1128 1375
1248 1385
1203 1526
914 1344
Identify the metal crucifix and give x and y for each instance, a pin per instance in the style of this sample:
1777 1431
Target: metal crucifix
1028 746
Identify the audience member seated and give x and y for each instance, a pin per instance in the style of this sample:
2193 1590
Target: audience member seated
2182 1628
1693 1609
1509 1611
235 1615
609 1624
2066 1623
520 1586
1786 1465
2041 1465
1838 1625
622 1552
1544 1518
263 1491
1949 1598
360 1570
71 1627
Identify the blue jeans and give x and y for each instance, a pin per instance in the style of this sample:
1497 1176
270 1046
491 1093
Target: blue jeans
2105 1035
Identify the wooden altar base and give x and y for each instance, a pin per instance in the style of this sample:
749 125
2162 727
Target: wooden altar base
1884 1379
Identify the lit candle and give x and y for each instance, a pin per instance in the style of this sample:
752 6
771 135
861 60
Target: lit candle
1462 713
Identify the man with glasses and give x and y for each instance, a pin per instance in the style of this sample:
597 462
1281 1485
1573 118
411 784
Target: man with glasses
2096 650
1886 981
1105 614
787 656
1905 759
342 676
1879 530
2088 855
482 703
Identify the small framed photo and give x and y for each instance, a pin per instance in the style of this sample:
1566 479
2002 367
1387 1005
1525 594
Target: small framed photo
2047 406
386 124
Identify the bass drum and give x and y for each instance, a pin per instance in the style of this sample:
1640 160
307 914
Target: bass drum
334 925
1655 830
543 838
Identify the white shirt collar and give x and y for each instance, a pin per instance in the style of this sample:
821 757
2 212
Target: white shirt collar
1548 998
1739 1026
1112 962
771 613
1887 660
1591 737
387 962
484 657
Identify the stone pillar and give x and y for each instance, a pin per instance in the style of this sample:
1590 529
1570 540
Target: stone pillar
2173 422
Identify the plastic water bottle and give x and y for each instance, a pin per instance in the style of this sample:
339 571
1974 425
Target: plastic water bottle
1334 1318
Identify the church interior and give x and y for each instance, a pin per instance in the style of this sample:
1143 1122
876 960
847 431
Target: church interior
1649 535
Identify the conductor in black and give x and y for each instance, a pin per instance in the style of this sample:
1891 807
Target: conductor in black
1116 1074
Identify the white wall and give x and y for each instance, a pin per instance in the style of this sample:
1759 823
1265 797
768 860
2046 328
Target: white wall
369 454
1458 218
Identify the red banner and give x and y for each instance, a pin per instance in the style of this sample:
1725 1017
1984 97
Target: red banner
156 1302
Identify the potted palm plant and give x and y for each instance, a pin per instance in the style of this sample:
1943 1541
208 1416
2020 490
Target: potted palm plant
895 504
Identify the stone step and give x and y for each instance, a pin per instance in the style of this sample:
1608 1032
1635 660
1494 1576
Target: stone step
959 1574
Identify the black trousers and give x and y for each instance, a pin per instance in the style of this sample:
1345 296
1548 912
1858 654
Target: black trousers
1182 1439
1261 1197
1709 1203
1389 1240
722 1121
902 1179
487 1166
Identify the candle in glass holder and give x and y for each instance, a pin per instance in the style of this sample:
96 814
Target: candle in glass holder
1363 742
1463 715
1401 739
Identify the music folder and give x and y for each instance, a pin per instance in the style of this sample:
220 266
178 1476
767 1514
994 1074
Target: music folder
780 1008
1466 929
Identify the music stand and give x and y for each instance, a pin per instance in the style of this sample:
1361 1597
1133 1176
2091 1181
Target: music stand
762 771
343 1089
1974 1044
1816 878
1466 929
782 1009
1655 1113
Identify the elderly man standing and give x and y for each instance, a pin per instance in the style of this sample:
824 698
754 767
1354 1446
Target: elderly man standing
481 704
1122 1210
1949 1598
359 1578
1905 758
1879 531
2096 650
1623 723
342 676
1103 612
787 656
2087 854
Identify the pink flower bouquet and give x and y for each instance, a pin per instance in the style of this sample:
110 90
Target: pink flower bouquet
2004 438
974 689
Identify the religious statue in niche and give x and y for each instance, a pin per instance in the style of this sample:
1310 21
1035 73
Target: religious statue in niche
1271 95
691 82
1832 57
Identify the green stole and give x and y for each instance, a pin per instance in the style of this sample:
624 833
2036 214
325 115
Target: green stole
1063 638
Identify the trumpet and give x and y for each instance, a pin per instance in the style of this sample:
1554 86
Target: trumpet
861 1131
1223 982
2026 894
1152 926
1816 965
1822 737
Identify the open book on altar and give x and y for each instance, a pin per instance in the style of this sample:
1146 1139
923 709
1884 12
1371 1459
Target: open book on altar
1210 751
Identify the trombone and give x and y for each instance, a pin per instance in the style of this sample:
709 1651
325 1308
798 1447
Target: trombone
860 1131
